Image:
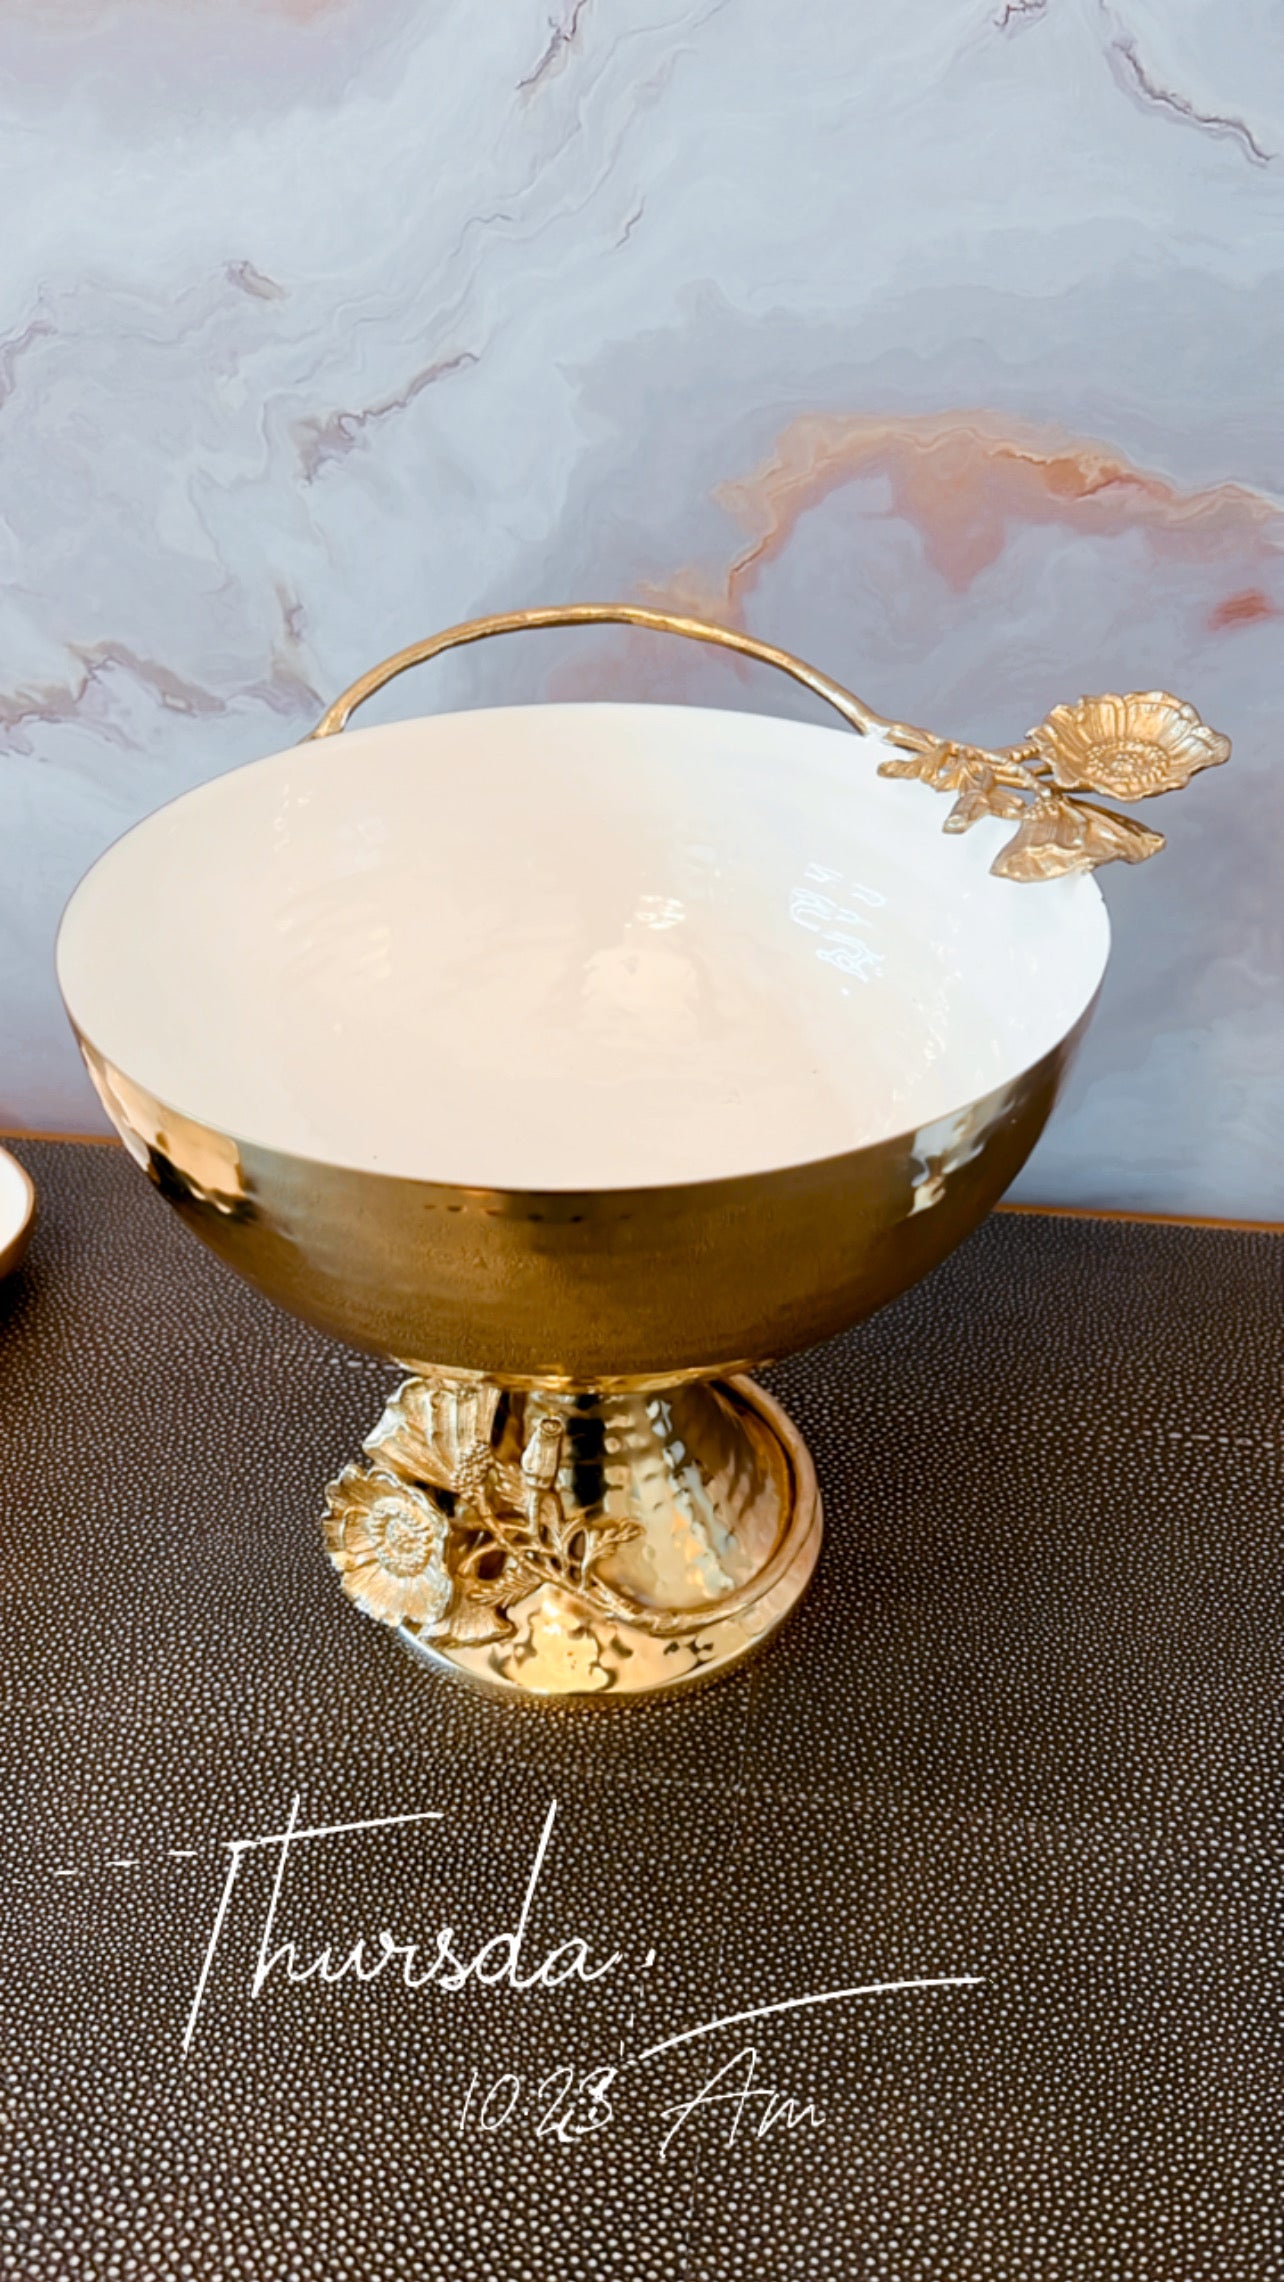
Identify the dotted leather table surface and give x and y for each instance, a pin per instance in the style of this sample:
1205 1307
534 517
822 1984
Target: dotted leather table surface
1026 1732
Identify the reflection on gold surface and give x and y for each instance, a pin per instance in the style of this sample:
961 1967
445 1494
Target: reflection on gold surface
174 1150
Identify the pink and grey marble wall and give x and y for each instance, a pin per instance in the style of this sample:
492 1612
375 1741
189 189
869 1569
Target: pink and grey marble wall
942 343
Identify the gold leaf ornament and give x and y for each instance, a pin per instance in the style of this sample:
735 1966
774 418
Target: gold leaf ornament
1129 747
1058 836
441 1435
982 793
987 784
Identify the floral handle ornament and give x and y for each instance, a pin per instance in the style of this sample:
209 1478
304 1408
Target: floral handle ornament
1128 748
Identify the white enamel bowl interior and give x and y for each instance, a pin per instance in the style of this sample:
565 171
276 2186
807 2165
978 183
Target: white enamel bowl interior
571 946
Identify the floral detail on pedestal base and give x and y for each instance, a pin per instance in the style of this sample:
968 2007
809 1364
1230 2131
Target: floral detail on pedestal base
578 1542
445 1533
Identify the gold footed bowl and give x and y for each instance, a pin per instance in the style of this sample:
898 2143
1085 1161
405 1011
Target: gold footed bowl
581 1059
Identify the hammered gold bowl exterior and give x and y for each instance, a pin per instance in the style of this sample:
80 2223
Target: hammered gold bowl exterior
622 1287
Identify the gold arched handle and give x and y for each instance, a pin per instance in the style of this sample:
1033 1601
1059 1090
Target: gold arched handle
1129 748
858 717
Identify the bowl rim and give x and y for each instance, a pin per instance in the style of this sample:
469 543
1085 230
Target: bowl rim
709 1181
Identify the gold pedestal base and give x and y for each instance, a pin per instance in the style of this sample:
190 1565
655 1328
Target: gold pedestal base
543 1543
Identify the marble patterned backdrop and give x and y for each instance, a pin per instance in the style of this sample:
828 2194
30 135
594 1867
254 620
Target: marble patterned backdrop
942 343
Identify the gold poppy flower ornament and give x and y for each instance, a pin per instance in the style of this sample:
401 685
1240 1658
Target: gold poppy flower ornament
1129 748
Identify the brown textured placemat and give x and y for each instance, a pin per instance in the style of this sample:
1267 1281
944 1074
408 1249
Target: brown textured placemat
1027 1727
